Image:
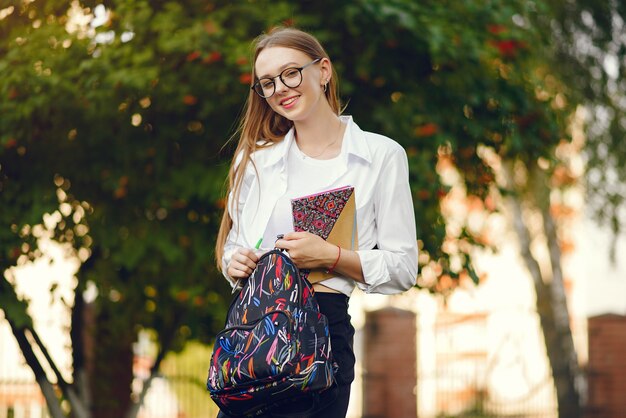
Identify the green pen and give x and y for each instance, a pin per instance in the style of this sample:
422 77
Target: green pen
258 243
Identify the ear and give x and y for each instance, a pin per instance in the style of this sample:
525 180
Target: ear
326 71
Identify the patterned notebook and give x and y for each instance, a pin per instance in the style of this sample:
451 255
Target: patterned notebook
331 215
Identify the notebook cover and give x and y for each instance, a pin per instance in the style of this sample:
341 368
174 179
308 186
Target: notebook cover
331 215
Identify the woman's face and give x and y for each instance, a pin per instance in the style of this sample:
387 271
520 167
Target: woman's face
294 103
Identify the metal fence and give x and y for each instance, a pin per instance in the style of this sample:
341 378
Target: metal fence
181 391
21 399
490 364
468 373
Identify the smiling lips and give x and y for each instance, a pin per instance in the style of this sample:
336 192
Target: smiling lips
289 101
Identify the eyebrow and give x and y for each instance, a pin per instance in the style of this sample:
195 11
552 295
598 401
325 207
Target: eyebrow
280 69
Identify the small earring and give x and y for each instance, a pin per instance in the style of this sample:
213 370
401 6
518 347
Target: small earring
325 86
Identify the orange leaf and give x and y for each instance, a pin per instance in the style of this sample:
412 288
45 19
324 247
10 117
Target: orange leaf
11 143
192 56
508 47
190 100
212 57
182 296
210 27
245 78
120 192
496 29
428 129
423 194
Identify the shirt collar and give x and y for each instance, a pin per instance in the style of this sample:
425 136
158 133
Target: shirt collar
354 143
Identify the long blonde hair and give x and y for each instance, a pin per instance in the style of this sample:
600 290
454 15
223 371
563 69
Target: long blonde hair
260 124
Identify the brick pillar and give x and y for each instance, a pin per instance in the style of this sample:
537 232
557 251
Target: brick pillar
390 362
607 367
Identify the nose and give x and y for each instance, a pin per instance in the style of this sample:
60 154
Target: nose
280 86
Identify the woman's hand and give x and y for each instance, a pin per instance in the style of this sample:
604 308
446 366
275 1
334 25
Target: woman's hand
242 263
308 250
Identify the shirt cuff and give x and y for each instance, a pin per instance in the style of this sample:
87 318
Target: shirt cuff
228 253
374 270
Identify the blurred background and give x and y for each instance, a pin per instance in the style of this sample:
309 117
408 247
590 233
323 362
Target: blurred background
115 119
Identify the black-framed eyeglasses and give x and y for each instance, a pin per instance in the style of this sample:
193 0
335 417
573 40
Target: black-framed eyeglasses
290 77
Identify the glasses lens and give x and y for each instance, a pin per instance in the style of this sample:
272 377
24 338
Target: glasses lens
264 87
292 77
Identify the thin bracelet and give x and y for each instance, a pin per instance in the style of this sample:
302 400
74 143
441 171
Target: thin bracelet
332 268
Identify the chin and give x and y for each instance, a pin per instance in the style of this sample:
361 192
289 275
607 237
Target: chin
291 115
299 114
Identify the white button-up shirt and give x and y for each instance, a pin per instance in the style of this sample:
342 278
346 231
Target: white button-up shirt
377 167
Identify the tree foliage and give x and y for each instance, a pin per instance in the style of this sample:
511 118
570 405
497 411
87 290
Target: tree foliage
115 117
117 131
588 49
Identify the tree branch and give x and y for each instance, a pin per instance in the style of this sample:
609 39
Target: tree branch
26 344
60 380
78 407
551 299
557 287
521 230
49 393
19 320
559 301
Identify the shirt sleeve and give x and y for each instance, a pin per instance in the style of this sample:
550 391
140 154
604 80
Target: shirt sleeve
392 267
234 239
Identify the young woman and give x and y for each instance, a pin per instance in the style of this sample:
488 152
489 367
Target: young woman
293 142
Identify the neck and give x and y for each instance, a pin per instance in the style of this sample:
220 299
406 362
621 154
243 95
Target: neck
314 135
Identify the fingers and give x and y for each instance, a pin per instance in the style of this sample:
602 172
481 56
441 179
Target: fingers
289 241
249 255
305 249
242 263
295 235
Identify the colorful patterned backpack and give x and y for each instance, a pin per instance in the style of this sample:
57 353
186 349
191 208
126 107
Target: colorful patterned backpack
275 349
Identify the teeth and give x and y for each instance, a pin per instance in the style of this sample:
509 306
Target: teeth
287 102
